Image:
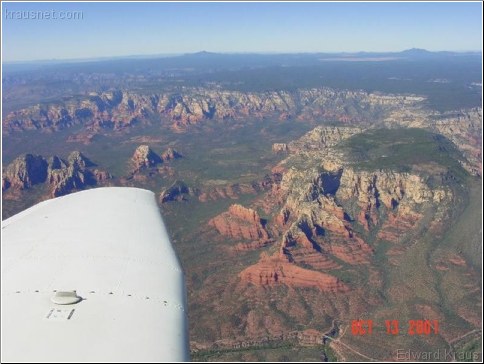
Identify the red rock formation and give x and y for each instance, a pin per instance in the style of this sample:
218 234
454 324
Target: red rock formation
66 177
303 245
283 217
398 225
118 109
274 270
367 217
178 191
144 157
101 175
170 154
223 192
24 172
240 223
85 138
352 251
253 245
234 190
279 147
62 176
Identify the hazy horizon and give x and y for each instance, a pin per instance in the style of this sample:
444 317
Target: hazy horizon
117 30
167 55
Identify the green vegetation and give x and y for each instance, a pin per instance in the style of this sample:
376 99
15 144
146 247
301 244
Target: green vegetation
285 351
50 83
222 153
470 351
402 149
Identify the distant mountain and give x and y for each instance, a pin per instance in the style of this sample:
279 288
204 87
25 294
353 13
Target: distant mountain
416 51
235 59
202 54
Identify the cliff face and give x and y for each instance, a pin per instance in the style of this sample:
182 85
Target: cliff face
144 157
270 271
24 172
120 109
240 223
323 210
464 129
392 191
62 177
117 109
279 147
65 177
113 110
322 137
178 191
233 191
327 213
170 154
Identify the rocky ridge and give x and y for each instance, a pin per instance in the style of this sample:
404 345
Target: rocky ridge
144 157
178 191
61 176
240 223
234 190
24 172
326 209
118 109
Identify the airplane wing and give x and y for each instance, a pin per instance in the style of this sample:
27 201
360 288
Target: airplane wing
92 276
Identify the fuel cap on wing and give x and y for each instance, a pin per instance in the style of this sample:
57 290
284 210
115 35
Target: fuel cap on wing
65 298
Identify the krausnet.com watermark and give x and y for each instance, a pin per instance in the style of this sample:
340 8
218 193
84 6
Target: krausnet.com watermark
43 15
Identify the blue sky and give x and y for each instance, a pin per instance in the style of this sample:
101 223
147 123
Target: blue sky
118 29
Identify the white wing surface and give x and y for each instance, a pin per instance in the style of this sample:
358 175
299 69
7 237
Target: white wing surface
110 246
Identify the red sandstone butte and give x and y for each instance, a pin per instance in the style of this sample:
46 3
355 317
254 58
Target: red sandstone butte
274 270
240 223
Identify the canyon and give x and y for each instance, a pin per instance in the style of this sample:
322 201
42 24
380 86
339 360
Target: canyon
284 230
